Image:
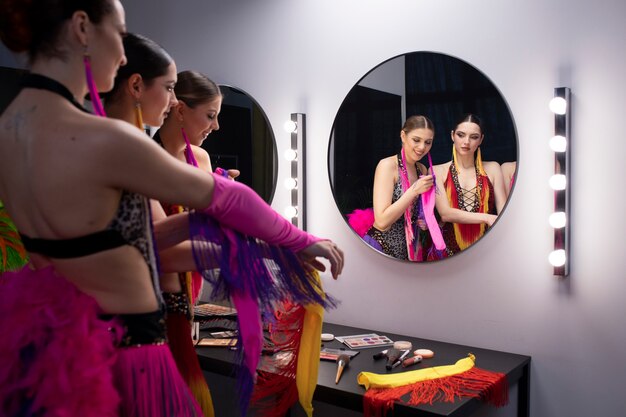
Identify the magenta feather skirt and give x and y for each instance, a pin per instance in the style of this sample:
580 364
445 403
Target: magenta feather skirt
59 358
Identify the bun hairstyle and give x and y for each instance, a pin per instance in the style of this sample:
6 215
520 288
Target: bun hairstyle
195 88
144 57
34 26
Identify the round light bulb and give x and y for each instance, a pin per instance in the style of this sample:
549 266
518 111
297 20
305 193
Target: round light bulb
290 126
557 220
291 183
558 182
291 212
558 143
291 155
557 257
558 105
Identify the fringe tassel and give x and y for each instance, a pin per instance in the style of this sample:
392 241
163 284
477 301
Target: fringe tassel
276 390
150 385
253 271
183 351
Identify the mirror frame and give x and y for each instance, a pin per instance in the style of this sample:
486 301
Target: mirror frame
225 145
452 80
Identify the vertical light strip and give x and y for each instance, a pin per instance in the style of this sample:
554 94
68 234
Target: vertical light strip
297 181
561 105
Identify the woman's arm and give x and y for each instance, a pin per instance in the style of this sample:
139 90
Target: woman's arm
450 214
497 180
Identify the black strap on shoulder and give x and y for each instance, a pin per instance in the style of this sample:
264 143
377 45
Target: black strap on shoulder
74 247
41 82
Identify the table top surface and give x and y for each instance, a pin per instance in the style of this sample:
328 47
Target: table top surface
349 394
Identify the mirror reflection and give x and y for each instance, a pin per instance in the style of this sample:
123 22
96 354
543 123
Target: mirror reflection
244 141
412 116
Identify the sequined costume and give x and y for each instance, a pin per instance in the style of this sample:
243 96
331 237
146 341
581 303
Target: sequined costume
393 241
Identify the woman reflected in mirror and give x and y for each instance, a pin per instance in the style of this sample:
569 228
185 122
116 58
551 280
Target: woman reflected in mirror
143 93
471 192
399 180
508 175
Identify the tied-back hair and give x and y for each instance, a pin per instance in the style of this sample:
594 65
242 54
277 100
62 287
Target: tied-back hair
144 57
35 26
478 161
195 88
417 122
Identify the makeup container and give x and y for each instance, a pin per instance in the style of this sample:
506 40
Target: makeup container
408 362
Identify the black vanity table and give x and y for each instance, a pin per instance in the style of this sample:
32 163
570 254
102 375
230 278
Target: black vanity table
349 394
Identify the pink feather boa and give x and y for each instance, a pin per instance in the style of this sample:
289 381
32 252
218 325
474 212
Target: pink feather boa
55 353
361 220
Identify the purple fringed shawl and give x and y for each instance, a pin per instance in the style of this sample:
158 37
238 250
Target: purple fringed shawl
256 276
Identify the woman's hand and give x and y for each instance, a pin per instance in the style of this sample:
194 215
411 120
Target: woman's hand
490 219
233 173
422 185
325 249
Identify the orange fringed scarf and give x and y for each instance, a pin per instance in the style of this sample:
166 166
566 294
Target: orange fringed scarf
291 373
425 386
467 234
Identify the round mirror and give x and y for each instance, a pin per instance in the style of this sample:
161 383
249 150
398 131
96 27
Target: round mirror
245 141
367 131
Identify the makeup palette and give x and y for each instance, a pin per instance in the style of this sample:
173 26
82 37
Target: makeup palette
361 341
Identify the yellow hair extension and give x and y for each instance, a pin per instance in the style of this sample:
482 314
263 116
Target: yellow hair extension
138 116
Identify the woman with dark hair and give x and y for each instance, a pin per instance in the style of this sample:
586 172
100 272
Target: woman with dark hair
471 191
86 316
398 183
144 93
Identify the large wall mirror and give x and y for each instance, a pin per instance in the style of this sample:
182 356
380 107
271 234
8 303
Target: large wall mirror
245 141
368 124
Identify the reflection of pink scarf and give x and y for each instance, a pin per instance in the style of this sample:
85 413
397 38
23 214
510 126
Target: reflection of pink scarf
428 205
408 213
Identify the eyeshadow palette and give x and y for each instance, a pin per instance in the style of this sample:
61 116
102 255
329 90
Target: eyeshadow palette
360 341
211 310
332 354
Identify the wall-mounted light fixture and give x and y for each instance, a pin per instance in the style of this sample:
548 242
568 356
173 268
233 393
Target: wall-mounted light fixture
296 181
560 182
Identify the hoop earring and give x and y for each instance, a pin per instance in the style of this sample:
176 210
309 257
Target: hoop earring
138 116
91 85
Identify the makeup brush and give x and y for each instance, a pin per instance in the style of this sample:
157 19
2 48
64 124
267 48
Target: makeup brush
342 362
392 356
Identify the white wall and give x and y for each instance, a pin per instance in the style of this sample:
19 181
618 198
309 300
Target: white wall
304 56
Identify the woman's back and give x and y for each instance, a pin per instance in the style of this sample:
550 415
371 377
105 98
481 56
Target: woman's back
53 183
